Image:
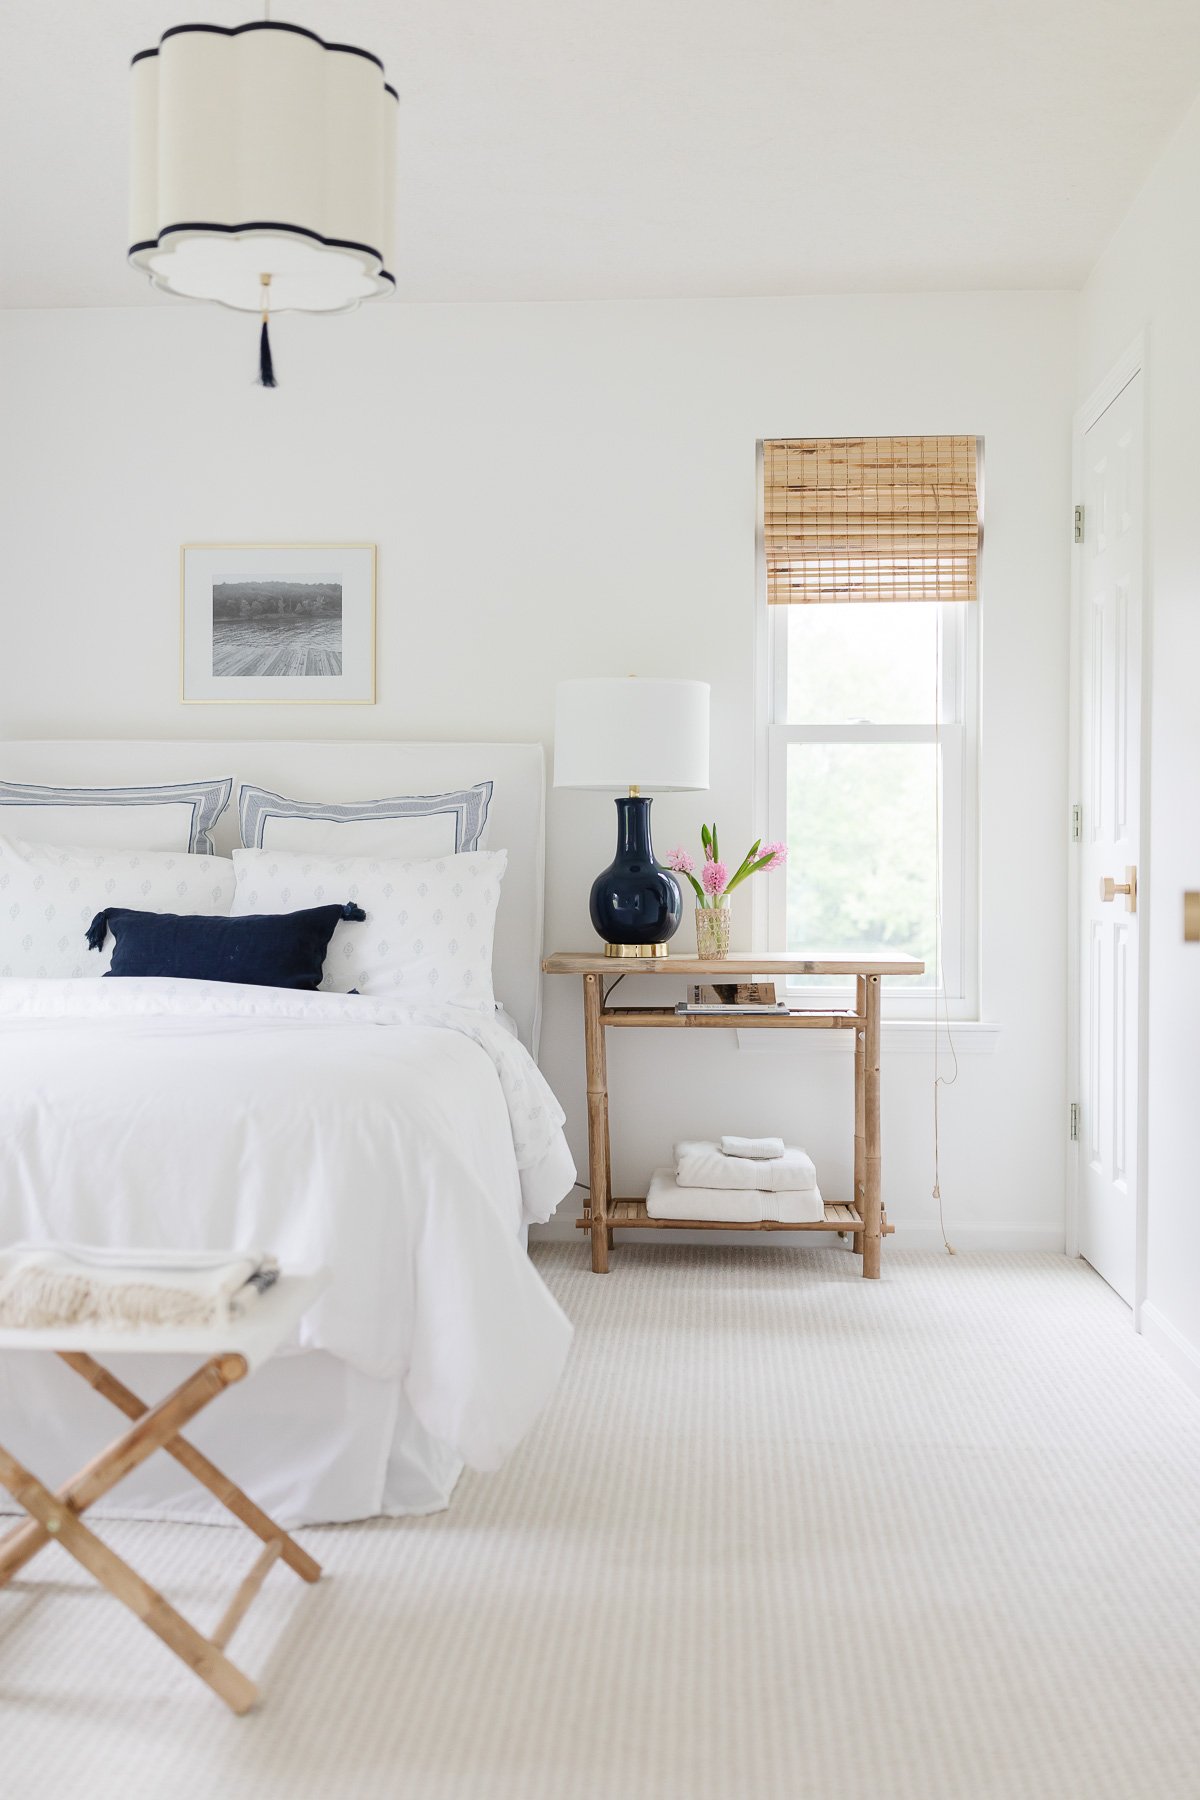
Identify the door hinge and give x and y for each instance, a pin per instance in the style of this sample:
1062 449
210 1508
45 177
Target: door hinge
1074 1121
1079 524
1076 823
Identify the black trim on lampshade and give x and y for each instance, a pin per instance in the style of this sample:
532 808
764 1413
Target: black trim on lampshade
262 225
266 25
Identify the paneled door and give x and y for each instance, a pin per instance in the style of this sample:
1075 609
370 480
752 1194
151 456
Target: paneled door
1109 650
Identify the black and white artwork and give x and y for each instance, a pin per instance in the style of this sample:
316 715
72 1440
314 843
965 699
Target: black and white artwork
289 625
265 623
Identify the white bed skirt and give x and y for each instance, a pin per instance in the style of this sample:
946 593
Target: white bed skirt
311 1439
308 1437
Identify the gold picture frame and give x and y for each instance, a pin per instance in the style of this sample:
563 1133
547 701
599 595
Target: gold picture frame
222 659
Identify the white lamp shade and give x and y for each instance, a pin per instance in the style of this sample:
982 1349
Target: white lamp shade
631 731
261 149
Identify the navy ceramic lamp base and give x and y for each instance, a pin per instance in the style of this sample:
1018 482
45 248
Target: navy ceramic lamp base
636 905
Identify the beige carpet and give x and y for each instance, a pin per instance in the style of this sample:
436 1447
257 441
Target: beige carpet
782 1534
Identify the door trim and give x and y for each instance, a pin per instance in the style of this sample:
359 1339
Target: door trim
1132 362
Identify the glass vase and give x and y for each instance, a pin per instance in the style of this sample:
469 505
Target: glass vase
712 930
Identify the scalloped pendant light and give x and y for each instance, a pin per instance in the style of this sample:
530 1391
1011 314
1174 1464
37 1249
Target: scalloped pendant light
263 170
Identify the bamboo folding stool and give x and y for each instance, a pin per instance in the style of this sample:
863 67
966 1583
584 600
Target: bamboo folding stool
231 1352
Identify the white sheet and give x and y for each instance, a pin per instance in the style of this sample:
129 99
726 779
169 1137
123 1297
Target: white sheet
400 1149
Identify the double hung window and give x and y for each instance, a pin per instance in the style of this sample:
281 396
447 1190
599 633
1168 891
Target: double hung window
870 552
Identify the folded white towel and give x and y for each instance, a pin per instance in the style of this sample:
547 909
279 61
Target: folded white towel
42 1286
704 1166
667 1199
763 1149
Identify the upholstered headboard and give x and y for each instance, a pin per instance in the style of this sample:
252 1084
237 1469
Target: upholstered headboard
349 771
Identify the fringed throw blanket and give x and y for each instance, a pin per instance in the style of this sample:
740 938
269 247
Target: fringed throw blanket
42 1287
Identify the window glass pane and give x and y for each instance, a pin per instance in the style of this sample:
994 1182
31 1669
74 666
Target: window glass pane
861 841
851 663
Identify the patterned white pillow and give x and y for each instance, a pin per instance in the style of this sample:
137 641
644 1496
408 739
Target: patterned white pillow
427 938
49 896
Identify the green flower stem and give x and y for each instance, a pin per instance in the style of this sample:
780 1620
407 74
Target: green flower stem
744 873
743 868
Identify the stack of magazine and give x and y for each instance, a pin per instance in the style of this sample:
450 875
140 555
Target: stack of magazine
732 997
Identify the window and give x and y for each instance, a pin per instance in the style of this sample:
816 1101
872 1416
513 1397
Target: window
871 776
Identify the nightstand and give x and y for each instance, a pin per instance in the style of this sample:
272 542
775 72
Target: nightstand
861 1215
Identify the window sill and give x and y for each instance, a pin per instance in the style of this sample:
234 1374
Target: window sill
904 1037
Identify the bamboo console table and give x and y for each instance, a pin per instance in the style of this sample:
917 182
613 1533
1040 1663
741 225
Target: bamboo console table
863 1215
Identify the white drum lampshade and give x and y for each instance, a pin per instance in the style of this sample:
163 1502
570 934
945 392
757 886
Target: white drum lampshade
263 168
632 733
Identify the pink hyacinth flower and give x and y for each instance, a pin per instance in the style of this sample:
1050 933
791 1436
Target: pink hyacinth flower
681 862
713 877
777 854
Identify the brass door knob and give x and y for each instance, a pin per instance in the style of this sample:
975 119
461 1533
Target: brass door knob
1109 889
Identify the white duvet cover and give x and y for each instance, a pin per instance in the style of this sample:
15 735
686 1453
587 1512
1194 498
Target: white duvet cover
399 1148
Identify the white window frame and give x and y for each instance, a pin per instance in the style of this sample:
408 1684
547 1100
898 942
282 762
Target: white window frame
957 995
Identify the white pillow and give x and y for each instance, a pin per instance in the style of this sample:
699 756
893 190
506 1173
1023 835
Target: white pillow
49 896
175 817
408 827
427 937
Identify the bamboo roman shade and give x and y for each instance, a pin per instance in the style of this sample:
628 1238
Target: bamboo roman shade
887 518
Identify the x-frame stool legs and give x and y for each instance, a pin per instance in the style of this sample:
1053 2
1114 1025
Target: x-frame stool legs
154 1428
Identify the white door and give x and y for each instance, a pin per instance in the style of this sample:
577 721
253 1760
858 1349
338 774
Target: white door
1109 649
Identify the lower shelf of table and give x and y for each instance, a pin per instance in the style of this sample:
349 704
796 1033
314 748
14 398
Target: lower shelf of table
627 1215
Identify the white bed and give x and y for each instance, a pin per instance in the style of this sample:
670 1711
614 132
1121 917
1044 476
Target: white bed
406 1150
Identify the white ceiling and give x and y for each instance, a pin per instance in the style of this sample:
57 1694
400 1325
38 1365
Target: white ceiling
602 148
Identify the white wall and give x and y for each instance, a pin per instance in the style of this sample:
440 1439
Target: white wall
1149 279
569 489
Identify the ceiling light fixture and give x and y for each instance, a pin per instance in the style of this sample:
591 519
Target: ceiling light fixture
263 170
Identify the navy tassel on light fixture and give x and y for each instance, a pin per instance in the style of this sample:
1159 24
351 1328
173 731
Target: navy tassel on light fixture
266 368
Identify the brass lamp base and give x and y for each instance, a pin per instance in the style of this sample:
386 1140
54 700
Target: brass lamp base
636 950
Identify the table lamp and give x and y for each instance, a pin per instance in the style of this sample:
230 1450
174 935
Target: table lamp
632 732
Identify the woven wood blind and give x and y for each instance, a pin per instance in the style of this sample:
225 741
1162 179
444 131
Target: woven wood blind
890 518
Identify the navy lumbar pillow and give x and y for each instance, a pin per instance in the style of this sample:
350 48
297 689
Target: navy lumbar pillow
284 950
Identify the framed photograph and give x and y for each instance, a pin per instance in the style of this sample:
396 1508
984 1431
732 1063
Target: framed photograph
267 624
